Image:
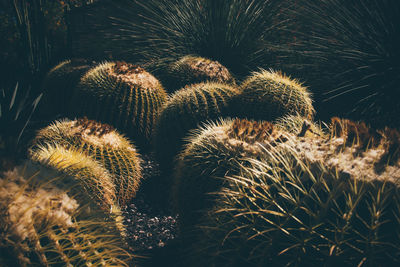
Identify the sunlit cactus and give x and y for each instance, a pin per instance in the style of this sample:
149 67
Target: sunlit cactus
103 144
187 109
191 69
43 225
268 95
87 178
59 86
216 150
122 95
309 201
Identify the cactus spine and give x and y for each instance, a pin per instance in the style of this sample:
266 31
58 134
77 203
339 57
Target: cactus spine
104 145
122 95
41 224
309 201
214 151
186 109
268 95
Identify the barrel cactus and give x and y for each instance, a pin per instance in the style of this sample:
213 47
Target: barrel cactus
191 69
309 202
268 95
59 85
42 224
216 150
186 109
104 145
122 95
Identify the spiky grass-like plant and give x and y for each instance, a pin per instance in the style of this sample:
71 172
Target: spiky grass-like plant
16 110
185 110
351 58
241 35
191 69
42 225
123 95
268 95
103 144
59 85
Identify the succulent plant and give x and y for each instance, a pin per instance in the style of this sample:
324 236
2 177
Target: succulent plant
351 66
212 152
309 201
185 110
268 95
191 69
58 87
122 95
104 145
87 178
43 225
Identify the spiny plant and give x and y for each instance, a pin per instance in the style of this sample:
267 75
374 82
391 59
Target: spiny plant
307 200
191 69
43 225
123 95
351 58
241 35
87 178
59 85
288 212
16 110
216 150
185 110
102 143
268 95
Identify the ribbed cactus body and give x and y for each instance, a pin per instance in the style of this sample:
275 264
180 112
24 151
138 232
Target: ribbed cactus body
104 145
59 85
214 151
43 225
186 110
85 176
268 95
122 95
309 201
191 69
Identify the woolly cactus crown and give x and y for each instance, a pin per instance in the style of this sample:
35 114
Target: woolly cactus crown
191 69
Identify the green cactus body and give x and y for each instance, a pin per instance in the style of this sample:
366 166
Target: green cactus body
104 145
186 109
268 95
309 201
215 151
59 85
123 95
42 225
191 69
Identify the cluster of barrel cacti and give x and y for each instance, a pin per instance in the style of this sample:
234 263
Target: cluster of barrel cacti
254 179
